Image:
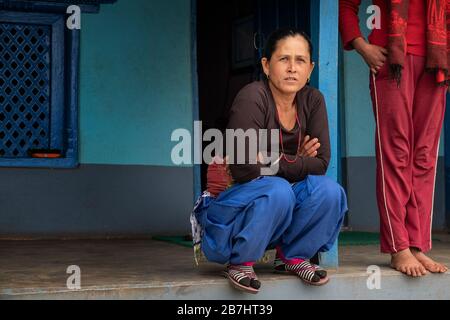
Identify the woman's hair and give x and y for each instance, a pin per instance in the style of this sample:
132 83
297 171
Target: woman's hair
280 34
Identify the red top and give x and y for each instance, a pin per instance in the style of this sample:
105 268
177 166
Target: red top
415 32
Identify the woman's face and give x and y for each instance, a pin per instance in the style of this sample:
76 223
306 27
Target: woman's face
290 65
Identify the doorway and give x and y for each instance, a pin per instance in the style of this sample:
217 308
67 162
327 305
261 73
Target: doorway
230 40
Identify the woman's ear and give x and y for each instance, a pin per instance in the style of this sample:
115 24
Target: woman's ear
265 66
312 69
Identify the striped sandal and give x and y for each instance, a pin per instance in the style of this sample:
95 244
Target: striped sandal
280 268
322 273
307 272
243 278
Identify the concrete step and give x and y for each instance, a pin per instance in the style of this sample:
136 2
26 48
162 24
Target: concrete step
143 269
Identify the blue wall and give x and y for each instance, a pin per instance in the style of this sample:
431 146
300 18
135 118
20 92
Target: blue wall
135 89
135 81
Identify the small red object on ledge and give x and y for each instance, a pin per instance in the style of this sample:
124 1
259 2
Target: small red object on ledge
45 153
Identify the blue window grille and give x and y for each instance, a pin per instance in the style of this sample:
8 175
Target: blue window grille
38 89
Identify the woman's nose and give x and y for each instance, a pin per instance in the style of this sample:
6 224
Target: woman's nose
291 67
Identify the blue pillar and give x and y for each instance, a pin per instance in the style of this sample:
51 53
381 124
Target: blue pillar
197 188
324 35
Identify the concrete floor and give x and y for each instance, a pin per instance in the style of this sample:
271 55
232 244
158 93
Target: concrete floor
146 269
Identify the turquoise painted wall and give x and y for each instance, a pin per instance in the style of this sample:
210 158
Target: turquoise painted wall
135 81
359 120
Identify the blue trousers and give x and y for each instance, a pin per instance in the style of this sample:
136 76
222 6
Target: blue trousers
247 219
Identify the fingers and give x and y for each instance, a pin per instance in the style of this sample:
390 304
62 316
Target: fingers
260 158
312 152
382 55
374 55
312 146
376 68
301 150
378 64
309 147
376 58
380 50
218 160
305 140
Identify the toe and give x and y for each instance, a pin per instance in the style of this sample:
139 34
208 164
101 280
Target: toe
434 267
423 270
419 271
429 267
255 283
408 272
245 282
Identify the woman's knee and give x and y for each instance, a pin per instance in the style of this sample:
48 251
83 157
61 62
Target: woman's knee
279 191
424 159
327 189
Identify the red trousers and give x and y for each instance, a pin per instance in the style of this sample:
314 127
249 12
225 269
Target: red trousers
408 125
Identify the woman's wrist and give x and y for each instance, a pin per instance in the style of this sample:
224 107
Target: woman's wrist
359 44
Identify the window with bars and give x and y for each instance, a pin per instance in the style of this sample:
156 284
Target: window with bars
38 68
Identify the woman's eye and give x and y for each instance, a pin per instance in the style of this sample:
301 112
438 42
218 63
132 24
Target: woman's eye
283 59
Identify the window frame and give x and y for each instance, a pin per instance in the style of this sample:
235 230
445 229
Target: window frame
64 89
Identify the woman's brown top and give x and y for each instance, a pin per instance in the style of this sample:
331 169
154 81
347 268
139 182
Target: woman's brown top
254 107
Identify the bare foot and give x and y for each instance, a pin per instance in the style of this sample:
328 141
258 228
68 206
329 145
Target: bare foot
428 263
404 261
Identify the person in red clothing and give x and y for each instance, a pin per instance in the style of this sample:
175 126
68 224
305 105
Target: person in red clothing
408 61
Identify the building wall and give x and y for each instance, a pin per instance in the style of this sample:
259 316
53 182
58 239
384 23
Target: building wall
136 85
135 89
359 144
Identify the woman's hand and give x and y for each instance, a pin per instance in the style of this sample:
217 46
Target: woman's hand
375 56
309 147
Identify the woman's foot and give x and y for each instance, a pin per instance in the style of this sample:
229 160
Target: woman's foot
280 267
306 271
428 263
243 278
405 262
